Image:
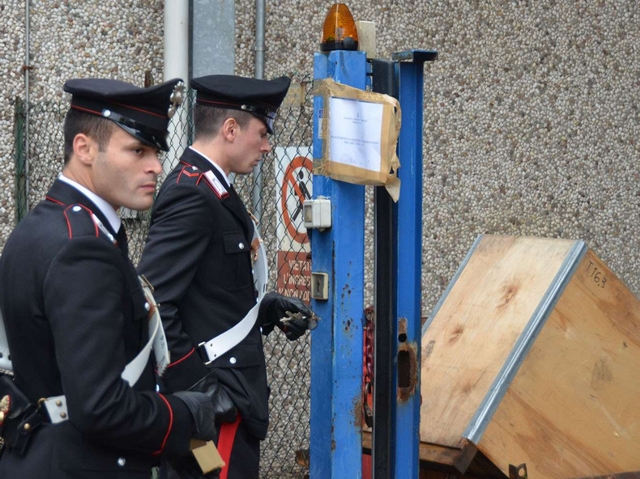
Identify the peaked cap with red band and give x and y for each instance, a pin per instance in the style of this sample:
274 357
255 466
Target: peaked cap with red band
141 112
261 98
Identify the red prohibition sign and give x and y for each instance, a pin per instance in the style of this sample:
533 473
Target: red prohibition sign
299 189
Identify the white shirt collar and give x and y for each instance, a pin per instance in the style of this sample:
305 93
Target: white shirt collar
224 175
106 209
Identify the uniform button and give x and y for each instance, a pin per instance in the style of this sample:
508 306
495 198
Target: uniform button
241 245
232 360
147 306
76 208
106 113
121 461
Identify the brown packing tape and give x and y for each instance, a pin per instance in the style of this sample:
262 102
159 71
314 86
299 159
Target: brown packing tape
386 175
207 455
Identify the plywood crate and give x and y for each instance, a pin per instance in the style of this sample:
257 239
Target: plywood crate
532 356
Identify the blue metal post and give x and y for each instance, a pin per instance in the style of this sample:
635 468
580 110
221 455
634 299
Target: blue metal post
409 261
336 344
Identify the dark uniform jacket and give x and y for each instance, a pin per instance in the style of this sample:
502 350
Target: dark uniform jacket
75 316
198 259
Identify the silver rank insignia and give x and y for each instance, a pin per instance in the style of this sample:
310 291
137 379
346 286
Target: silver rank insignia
176 99
216 184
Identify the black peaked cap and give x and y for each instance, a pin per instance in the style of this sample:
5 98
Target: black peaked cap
141 112
261 98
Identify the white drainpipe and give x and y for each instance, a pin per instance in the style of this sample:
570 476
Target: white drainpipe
176 65
258 184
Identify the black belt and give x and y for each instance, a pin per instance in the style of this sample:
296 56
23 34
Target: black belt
19 417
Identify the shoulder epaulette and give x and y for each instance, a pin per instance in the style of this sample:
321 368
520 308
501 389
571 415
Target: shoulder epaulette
216 185
190 174
81 221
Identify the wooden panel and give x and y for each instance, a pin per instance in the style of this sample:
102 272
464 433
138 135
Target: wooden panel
477 326
572 409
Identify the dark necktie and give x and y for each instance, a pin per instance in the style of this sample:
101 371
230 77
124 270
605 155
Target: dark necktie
121 238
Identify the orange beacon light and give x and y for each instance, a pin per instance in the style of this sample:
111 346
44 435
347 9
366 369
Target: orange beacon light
339 31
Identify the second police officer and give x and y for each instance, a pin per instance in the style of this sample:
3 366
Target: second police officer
199 255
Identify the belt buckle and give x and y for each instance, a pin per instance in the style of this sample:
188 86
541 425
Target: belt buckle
205 354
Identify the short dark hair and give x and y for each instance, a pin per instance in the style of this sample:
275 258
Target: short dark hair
208 120
76 122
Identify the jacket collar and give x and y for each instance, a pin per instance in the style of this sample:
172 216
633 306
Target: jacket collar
106 208
64 193
232 202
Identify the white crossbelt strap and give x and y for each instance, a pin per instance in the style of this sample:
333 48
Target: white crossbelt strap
222 343
157 338
157 341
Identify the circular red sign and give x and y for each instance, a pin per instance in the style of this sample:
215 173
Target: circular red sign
292 186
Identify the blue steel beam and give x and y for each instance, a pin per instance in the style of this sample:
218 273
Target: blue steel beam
336 344
409 262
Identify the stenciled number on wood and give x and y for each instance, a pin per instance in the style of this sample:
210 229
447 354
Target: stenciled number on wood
596 274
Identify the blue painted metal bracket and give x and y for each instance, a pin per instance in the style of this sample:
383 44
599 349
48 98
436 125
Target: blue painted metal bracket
409 263
336 344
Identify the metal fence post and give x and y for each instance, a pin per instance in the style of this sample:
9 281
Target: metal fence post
20 159
409 262
336 345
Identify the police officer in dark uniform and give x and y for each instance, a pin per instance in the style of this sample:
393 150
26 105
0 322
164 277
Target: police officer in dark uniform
199 258
75 312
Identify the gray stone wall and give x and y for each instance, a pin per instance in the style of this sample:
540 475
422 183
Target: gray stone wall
11 79
93 38
531 116
531 111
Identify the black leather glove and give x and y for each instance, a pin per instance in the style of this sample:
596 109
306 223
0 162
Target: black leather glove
186 468
224 410
291 315
202 411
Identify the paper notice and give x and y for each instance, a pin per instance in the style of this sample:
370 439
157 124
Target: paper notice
355 128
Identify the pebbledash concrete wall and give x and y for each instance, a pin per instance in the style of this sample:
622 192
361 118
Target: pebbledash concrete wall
532 117
532 114
119 39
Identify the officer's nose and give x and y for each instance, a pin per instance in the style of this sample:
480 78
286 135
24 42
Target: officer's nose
266 146
155 165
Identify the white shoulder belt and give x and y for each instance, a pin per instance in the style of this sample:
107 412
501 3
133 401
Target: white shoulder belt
222 343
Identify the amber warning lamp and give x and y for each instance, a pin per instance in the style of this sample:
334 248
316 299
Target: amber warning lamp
339 31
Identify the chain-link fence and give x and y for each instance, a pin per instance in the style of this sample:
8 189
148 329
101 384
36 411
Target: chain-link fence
275 192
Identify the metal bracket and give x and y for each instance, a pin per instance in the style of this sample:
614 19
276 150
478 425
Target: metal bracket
416 56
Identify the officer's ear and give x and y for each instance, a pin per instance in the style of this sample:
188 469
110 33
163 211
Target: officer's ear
229 129
84 148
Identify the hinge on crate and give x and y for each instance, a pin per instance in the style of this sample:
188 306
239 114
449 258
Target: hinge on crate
518 472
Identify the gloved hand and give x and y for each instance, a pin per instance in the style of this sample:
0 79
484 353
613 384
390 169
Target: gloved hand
291 315
224 410
202 411
186 467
